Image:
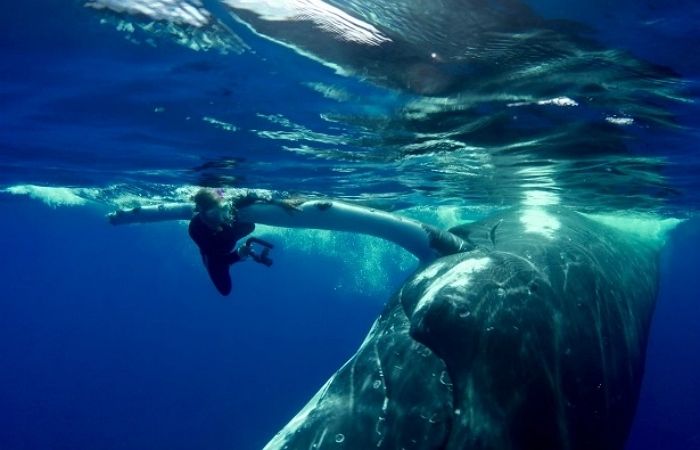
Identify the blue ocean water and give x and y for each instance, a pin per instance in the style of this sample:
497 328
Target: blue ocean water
112 337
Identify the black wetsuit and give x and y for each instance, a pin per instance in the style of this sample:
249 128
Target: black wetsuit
217 249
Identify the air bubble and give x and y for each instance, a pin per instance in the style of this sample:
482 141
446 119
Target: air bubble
340 437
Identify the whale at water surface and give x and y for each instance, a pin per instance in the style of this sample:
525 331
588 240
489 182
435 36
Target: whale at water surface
533 340
420 47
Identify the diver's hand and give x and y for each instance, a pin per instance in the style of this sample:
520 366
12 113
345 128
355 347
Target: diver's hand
243 252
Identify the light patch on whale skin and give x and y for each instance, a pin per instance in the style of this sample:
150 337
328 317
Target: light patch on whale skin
327 17
457 278
650 227
429 273
220 124
537 220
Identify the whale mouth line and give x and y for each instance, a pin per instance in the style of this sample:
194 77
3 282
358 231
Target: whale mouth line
446 377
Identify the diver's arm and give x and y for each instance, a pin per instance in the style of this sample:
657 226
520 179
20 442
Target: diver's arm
237 255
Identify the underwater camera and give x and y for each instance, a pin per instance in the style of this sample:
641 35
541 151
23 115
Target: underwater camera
259 257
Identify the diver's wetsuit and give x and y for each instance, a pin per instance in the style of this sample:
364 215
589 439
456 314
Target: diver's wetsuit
217 249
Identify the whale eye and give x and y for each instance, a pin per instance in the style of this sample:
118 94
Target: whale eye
533 287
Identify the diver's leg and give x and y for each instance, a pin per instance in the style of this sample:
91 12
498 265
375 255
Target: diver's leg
233 257
217 268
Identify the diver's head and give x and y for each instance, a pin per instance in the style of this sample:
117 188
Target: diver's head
212 208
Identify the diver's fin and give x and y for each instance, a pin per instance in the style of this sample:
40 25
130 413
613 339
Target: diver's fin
262 257
254 240
218 270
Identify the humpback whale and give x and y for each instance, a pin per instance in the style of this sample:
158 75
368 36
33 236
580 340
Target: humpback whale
526 330
415 46
537 343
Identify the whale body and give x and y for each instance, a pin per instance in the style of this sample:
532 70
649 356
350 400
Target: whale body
426 48
532 340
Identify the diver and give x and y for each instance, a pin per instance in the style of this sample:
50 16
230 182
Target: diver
216 230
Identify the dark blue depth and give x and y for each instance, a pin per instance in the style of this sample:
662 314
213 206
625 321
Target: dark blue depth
113 337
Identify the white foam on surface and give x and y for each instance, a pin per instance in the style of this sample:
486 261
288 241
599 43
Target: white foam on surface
624 121
220 124
55 196
557 101
176 11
